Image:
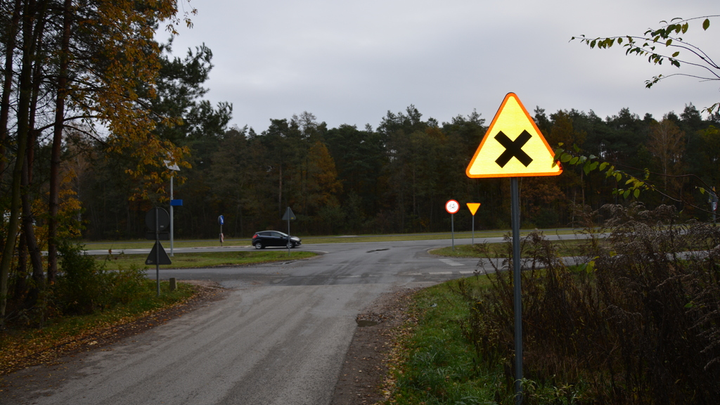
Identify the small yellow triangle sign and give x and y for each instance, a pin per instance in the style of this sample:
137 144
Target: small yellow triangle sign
473 207
513 146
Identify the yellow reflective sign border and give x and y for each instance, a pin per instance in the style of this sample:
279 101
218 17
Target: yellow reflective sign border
513 146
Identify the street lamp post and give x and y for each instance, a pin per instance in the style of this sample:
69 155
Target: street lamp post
174 168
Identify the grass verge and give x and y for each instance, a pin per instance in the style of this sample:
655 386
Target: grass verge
201 260
564 248
310 240
432 363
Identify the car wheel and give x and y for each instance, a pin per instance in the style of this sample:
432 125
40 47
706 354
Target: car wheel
259 246
290 245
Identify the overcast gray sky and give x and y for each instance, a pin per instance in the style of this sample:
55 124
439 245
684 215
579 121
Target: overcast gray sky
350 62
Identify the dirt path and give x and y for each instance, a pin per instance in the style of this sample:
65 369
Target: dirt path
365 367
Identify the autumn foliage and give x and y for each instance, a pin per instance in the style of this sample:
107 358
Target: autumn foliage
72 66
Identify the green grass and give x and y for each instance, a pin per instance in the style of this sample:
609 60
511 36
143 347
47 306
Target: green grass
436 364
309 240
565 248
205 259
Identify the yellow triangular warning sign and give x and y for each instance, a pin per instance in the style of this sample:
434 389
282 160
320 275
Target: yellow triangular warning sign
513 146
473 207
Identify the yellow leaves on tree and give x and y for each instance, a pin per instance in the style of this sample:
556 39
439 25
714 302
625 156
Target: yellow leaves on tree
322 184
70 207
666 143
116 94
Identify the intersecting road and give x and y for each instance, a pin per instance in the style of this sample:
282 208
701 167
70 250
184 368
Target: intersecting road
279 337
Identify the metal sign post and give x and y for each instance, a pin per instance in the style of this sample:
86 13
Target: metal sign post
174 168
172 230
157 253
157 220
173 203
473 207
289 215
452 230
514 147
517 293
452 207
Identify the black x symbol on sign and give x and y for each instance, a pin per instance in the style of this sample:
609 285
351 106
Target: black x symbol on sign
513 148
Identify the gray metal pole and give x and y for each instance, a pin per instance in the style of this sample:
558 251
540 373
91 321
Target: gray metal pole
157 249
452 225
473 230
172 228
288 240
517 280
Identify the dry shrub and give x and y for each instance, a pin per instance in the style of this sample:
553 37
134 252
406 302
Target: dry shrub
636 323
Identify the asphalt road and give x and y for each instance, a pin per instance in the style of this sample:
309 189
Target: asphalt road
278 338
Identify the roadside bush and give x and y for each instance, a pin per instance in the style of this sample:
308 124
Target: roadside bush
126 285
636 323
82 285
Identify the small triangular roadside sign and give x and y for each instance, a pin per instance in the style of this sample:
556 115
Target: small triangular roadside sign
153 256
473 207
289 215
513 146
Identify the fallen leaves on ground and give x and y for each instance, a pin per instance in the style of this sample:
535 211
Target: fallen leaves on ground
43 348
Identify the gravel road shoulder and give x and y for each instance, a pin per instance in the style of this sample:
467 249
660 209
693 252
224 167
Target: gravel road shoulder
365 366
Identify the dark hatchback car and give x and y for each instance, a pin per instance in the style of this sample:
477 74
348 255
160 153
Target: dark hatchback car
274 238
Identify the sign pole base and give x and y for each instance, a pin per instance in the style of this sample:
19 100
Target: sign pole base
452 224
157 256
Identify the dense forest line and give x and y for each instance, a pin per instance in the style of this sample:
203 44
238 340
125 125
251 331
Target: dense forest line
93 168
397 177
94 111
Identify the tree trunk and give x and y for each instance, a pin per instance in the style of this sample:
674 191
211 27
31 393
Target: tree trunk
54 203
29 232
280 190
9 39
23 119
28 218
21 287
